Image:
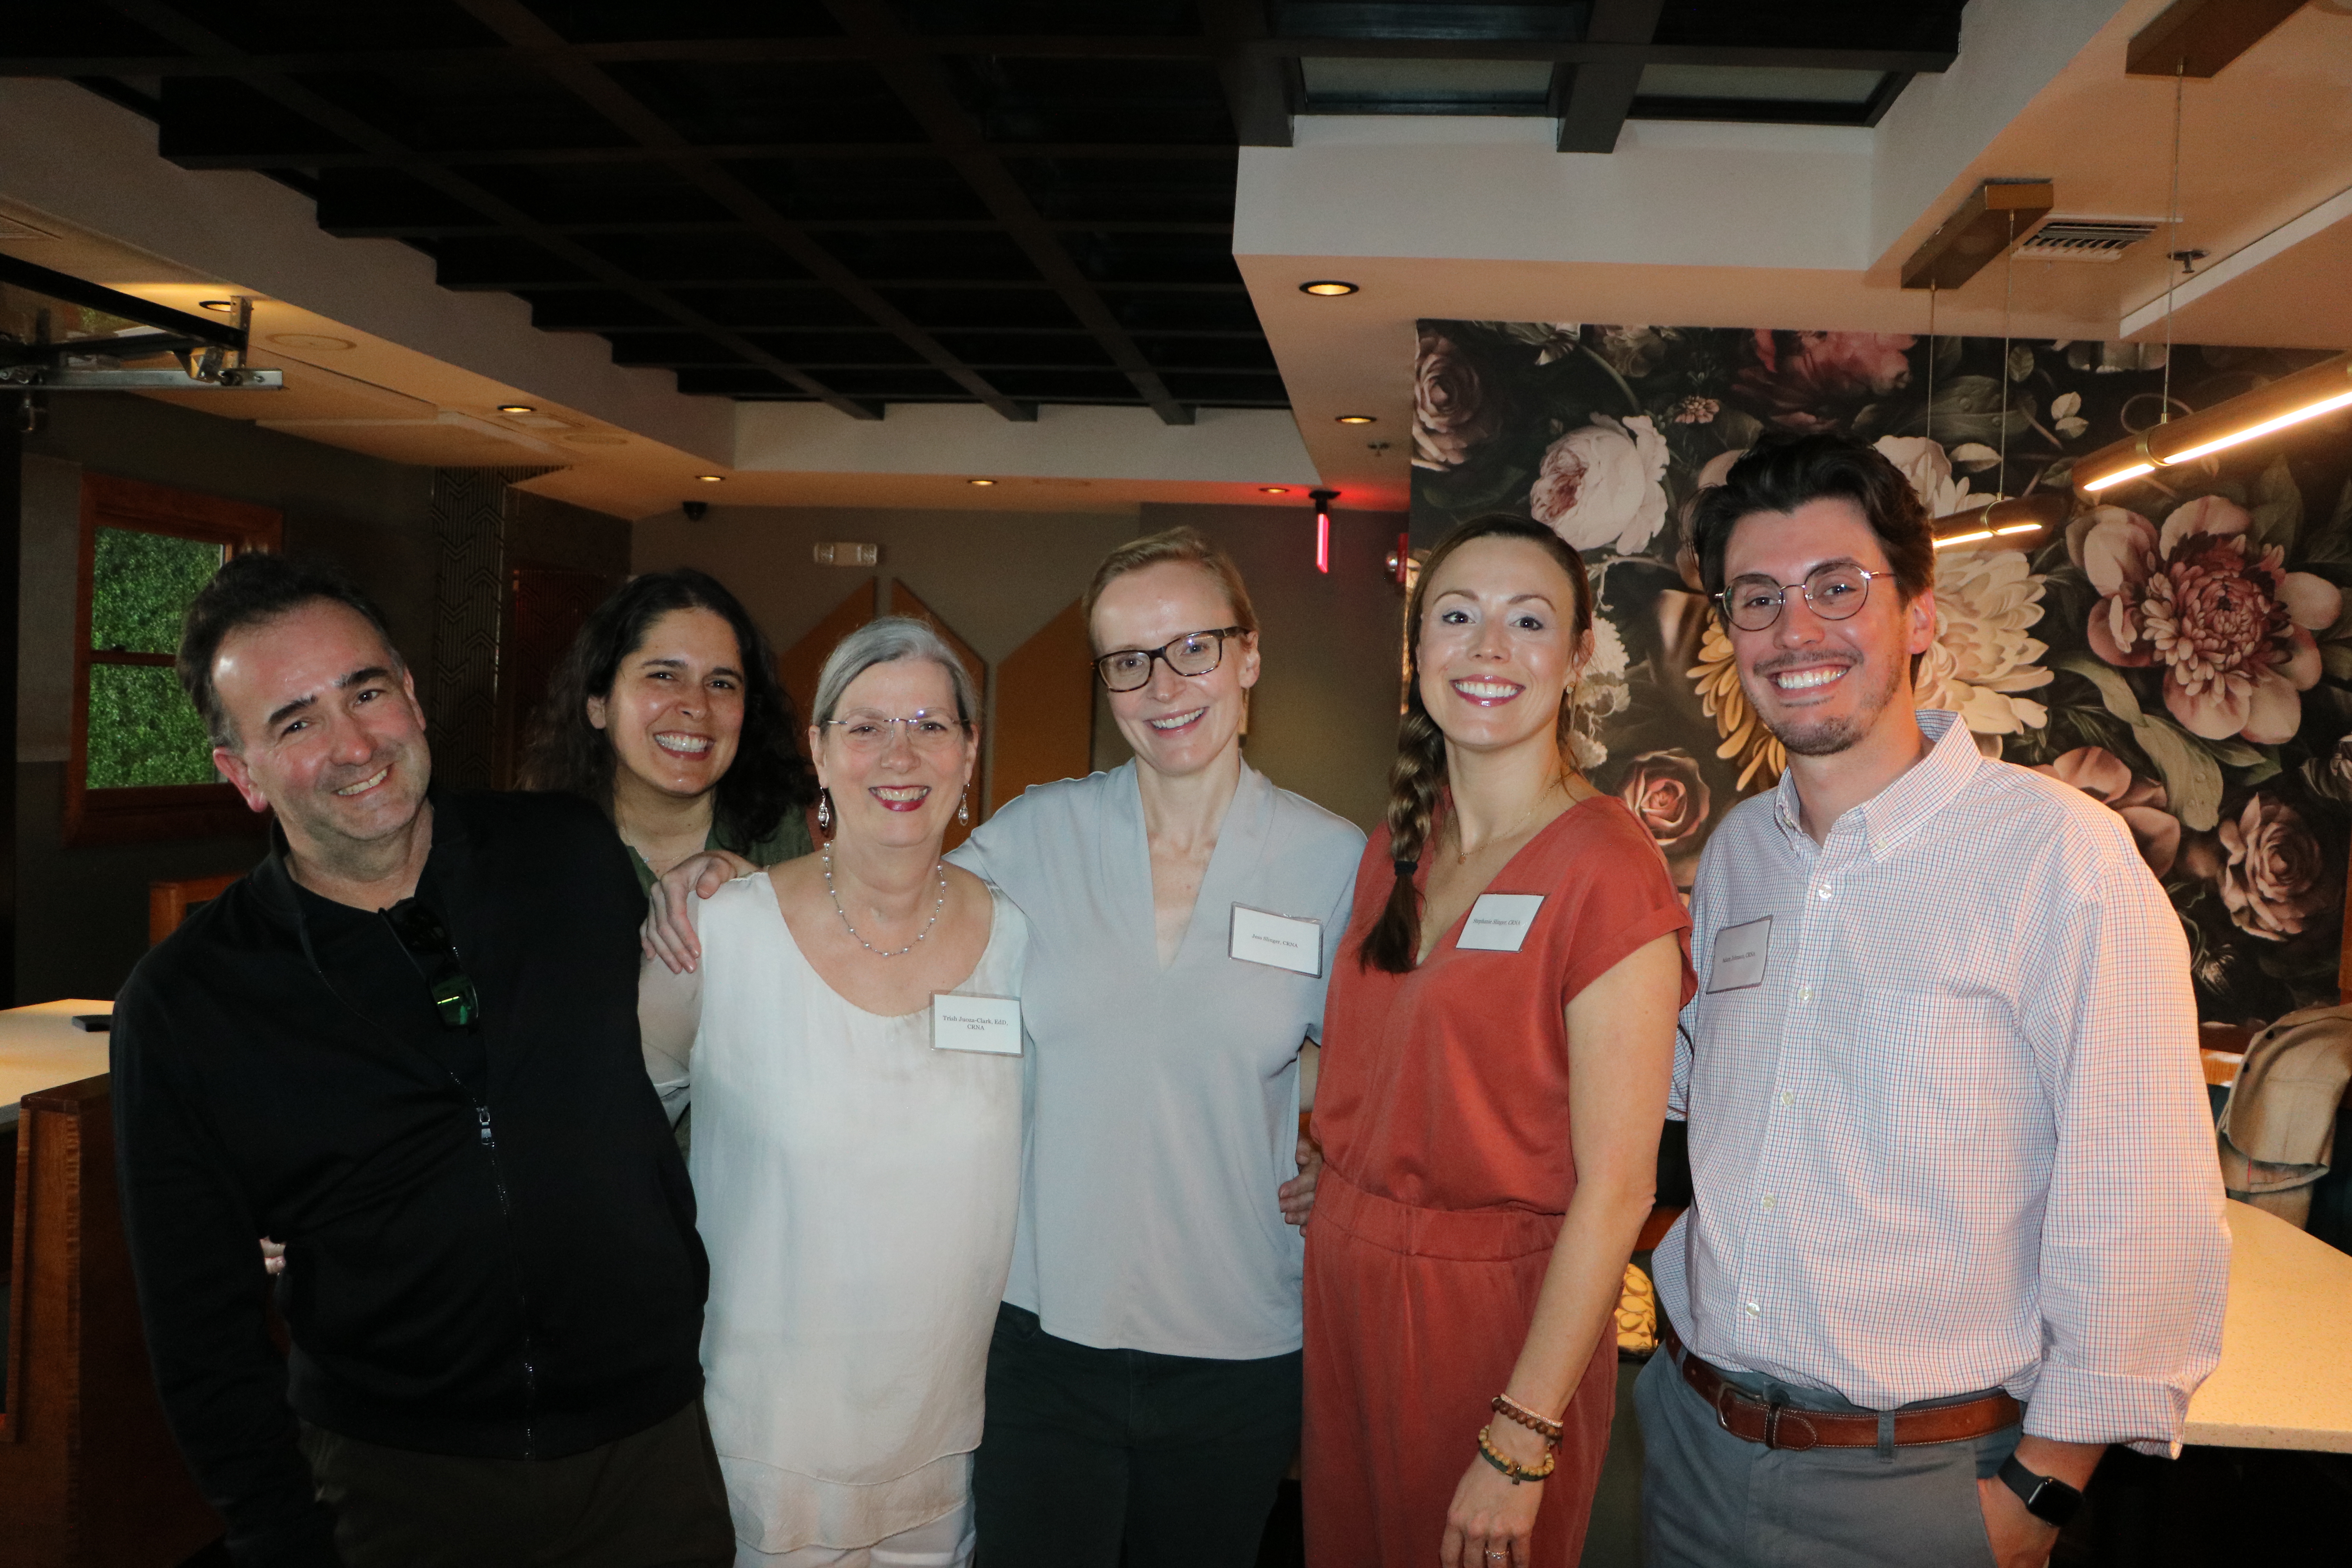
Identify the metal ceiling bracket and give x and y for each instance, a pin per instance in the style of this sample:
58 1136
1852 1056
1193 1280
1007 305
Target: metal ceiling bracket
35 377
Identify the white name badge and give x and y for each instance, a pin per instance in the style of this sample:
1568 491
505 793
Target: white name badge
1741 952
1281 941
990 1024
1498 923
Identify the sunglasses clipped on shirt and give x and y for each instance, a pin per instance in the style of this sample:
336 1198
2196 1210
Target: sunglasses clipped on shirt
426 941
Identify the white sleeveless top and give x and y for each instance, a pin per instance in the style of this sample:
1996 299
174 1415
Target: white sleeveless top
856 1191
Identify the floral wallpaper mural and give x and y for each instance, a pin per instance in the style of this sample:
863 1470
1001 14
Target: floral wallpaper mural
2183 655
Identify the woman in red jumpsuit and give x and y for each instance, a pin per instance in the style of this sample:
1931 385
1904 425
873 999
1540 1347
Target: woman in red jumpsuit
1497 1046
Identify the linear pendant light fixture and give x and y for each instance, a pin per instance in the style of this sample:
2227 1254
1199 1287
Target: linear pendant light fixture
2289 401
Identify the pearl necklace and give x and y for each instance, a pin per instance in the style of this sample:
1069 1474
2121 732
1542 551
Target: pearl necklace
939 867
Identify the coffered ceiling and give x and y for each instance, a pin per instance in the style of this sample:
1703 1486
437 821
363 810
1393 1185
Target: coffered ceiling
1059 243
859 203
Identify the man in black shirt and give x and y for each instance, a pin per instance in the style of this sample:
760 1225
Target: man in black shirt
405 1045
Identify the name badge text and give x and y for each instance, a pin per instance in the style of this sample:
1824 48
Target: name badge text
1281 941
1498 923
1741 953
989 1024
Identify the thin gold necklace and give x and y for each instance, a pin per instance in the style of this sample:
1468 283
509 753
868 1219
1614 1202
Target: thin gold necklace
1462 855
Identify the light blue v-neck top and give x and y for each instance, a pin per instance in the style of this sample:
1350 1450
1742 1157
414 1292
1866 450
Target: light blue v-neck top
1164 1102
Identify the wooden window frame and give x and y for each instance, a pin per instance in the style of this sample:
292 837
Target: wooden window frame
150 811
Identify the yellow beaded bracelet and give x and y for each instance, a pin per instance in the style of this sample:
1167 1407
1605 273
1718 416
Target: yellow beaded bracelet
1510 1467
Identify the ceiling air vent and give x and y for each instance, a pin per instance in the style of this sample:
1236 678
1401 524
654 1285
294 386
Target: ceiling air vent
2084 239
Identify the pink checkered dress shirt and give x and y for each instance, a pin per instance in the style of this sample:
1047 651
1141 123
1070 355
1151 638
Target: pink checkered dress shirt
1954 1135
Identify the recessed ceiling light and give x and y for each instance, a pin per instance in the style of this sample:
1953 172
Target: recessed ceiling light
314 341
983 483
517 409
1359 419
1274 490
711 479
225 307
1330 288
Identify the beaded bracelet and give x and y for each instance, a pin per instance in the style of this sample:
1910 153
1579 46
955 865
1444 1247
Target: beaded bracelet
1510 1467
1542 1427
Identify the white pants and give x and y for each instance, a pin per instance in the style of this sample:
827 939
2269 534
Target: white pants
945 1543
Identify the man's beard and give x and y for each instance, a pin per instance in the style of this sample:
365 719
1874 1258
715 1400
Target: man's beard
1828 736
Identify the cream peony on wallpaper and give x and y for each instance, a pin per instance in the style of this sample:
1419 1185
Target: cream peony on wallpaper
2183 655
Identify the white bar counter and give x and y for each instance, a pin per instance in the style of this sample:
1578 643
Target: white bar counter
2286 1377
40 1049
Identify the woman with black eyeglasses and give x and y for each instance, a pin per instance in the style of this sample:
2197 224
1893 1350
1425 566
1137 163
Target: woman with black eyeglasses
1143 1380
1143 1387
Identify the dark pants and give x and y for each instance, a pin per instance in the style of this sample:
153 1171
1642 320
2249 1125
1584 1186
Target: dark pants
1177 1458
653 1499
1713 1501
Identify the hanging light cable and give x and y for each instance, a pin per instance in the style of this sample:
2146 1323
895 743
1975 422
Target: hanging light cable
2173 251
2008 294
2278 406
1931 359
1997 516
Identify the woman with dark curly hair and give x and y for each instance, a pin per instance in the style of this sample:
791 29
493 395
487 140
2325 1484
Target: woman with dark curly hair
666 712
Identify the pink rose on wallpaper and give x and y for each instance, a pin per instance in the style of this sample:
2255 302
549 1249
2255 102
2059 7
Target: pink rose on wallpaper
1602 484
1664 790
1797 374
2276 880
2226 623
1452 412
2106 778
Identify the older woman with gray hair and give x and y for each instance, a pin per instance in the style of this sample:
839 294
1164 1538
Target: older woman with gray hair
851 1040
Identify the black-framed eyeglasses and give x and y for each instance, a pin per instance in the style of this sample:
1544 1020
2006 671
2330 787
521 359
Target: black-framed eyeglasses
1194 653
427 942
1834 592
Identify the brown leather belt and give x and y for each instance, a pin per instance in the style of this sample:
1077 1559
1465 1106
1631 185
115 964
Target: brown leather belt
1743 1414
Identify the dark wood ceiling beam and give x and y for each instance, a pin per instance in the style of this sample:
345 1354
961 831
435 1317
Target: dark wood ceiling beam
922 84
1257 87
1592 99
364 229
628 329
732 153
166 22
919 47
2197 37
595 87
511 283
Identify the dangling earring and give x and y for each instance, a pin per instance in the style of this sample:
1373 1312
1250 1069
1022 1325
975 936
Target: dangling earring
1577 739
825 812
964 808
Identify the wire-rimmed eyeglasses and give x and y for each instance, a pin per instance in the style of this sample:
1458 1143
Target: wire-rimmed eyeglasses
925 728
1832 593
1194 653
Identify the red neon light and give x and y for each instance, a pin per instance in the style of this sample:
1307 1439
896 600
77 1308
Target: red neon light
1322 540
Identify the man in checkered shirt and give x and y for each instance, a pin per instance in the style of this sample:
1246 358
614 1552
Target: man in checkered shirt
1959 1223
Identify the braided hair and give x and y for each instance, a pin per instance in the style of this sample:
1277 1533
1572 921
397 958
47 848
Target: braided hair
1418 779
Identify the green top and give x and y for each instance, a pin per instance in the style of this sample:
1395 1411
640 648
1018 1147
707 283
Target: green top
788 842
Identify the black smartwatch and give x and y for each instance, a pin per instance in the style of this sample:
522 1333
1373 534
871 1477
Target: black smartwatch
2045 1497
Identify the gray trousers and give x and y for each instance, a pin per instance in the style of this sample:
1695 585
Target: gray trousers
1713 1501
